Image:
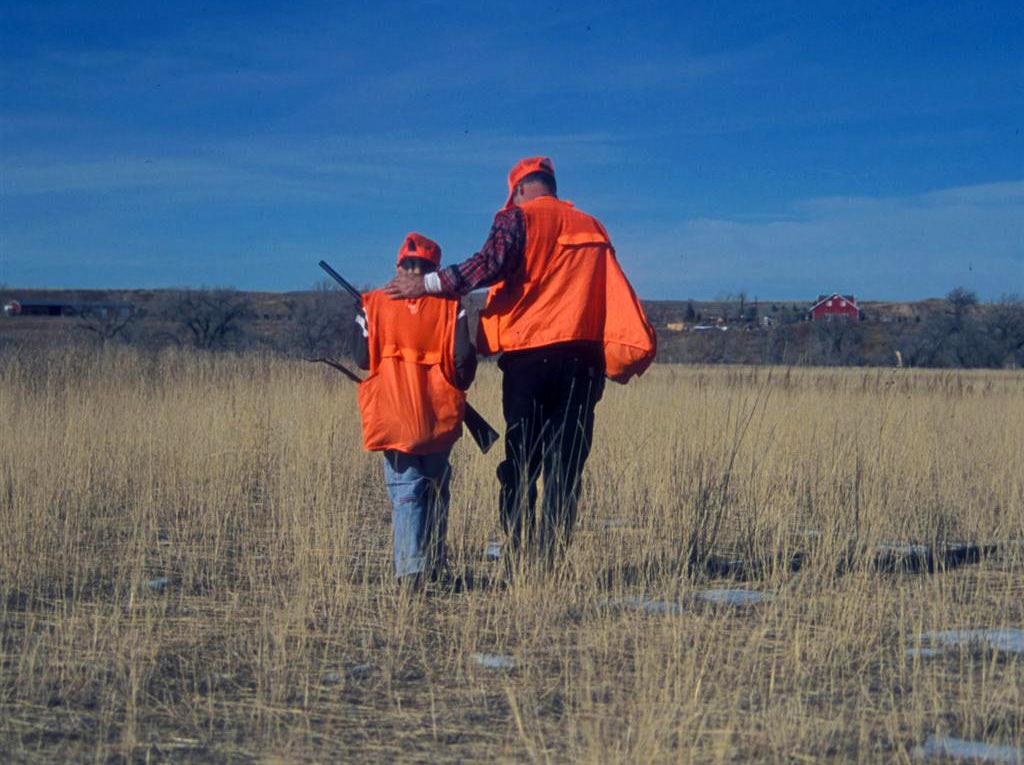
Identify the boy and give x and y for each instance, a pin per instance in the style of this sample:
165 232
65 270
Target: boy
421 362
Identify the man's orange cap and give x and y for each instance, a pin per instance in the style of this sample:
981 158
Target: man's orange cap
523 168
418 246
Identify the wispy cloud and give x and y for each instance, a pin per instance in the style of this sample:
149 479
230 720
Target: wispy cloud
195 178
303 167
675 72
885 247
526 73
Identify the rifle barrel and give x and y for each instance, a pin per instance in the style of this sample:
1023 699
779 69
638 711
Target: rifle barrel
342 281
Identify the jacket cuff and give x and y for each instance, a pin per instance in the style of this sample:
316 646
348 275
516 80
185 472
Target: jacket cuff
451 280
432 283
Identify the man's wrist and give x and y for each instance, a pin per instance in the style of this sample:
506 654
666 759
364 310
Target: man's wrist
432 283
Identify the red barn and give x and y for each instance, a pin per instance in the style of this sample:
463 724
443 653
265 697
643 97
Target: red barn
834 306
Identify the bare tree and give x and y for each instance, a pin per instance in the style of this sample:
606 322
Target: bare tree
321 322
1005 325
836 343
787 344
961 300
957 338
751 312
211 319
107 323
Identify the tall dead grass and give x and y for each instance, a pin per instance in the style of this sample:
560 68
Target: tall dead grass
194 562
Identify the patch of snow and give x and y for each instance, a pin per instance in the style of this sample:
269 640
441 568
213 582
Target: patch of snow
159 584
648 605
907 550
1008 640
494 661
734 597
961 749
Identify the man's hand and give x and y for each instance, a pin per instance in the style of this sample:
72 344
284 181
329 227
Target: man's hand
405 285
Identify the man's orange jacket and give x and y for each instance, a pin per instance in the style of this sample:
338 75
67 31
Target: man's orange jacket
570 288
409 402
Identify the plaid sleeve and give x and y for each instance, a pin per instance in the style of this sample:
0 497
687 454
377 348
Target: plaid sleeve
500 256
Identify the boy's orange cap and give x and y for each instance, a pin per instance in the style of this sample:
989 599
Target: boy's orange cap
523 168
418 246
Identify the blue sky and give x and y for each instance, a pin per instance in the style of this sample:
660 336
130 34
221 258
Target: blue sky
783 149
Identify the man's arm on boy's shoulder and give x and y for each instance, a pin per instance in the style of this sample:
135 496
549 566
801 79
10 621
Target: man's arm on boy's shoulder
360 345
465 353
501 256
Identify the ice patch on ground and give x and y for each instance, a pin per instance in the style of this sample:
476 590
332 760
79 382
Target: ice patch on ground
722 597
734 597
159 584
494 661
647 605
902 548
961 749
1008 640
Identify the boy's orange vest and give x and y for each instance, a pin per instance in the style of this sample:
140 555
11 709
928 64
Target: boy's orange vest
570 288
408 402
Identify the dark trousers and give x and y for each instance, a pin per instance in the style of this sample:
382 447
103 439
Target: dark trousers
548 396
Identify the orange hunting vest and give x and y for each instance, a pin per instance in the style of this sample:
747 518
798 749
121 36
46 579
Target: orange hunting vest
570 288
408 402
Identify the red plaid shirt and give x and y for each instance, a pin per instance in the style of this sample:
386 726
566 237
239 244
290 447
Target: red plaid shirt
501 255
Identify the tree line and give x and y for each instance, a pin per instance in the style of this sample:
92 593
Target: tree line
963 333
314 323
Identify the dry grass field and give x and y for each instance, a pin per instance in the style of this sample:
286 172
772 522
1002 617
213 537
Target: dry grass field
195 566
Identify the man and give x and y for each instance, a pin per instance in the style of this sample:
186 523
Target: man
421 361
563 316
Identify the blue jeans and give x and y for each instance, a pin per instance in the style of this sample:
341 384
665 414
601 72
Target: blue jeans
419 488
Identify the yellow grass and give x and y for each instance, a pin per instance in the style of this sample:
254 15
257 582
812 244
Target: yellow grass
281 638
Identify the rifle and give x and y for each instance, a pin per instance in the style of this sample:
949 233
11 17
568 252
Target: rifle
344 370
479 429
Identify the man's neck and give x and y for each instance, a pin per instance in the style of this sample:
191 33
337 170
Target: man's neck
538 196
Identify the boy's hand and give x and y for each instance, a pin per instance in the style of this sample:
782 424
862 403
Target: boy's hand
405 285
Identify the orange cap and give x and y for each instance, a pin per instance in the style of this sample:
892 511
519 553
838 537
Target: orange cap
523 168
418 246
